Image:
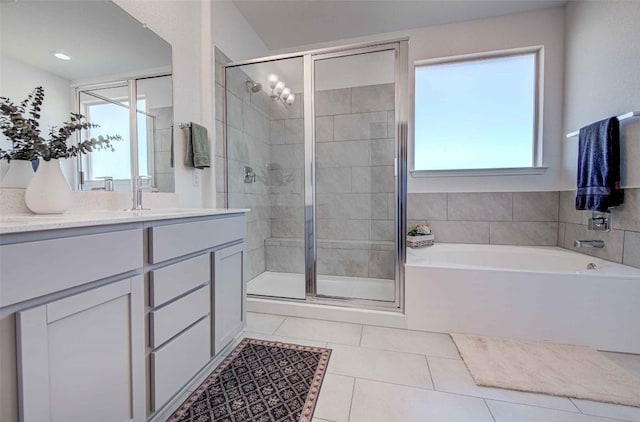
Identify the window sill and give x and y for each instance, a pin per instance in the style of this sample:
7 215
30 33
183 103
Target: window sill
517 171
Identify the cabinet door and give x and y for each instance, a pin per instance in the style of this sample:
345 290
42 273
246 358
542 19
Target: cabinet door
229 295
81 358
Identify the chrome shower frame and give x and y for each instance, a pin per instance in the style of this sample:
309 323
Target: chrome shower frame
400 47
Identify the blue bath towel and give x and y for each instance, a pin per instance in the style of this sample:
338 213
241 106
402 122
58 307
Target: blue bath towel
599 166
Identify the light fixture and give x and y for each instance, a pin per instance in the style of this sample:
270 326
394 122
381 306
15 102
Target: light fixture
280 92
273 80
290 99
61 55
279 88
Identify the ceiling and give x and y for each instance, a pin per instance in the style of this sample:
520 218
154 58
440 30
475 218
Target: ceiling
286 24
101 38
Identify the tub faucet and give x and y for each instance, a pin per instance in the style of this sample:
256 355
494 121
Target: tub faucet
588 243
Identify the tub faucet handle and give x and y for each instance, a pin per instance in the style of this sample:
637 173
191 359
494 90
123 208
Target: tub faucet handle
600 221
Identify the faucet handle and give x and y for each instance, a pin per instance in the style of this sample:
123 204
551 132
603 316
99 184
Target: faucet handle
600 221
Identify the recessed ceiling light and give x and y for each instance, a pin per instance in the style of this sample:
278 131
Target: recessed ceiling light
62 56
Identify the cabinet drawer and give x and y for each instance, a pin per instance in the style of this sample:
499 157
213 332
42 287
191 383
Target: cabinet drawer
174 240
177 361
33 269
174 280
169 320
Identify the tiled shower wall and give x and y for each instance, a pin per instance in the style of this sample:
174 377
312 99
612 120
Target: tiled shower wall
354 183
163 167
248 120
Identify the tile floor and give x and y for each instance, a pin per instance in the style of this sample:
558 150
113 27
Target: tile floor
394 375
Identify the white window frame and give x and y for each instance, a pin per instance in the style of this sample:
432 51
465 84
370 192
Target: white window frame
538 166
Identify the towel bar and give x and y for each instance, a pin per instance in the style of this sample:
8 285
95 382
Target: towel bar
184 125
621 117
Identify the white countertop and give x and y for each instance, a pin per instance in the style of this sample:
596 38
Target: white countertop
20 223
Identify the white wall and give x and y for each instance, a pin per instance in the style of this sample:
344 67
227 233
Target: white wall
17 80
602 77
180 23
233 35
543 27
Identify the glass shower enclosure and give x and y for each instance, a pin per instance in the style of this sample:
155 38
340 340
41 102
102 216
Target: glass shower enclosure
316 148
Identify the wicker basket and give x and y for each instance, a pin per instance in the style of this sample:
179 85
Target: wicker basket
420 241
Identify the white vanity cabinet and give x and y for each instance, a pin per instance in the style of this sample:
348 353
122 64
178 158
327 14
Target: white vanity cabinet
82 357
112 321
77 298
179 325
196 298
229 295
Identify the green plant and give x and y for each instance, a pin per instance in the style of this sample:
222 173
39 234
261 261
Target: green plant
420 230
19 123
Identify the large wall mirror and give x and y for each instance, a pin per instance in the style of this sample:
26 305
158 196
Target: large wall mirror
117 73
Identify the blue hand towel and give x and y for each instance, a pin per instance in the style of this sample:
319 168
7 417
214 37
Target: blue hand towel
599 166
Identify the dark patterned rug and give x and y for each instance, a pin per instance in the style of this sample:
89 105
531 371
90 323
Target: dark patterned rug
262 381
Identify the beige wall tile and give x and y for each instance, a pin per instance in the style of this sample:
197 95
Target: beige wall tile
535 206
373 98
460 231
523 233
631 249
427 206
332 102
480 206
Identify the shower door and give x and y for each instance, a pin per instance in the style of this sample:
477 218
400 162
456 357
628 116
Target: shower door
314 149
265 171
354 103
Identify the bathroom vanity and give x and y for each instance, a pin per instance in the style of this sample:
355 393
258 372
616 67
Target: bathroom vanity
107 316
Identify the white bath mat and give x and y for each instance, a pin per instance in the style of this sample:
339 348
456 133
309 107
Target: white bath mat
540 367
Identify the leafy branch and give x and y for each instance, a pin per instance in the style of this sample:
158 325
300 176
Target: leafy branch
20 124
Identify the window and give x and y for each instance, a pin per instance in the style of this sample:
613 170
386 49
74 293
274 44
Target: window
476 113
113 118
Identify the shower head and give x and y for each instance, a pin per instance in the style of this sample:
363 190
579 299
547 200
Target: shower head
253 86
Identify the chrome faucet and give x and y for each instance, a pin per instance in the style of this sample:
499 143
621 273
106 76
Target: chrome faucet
108 184
137 188
588 243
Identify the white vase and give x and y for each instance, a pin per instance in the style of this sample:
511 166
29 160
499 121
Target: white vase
49 192
19 174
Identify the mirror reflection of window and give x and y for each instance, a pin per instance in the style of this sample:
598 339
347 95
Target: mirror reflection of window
112 119
108 106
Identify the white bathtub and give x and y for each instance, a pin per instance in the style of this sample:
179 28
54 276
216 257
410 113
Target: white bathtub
535 293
